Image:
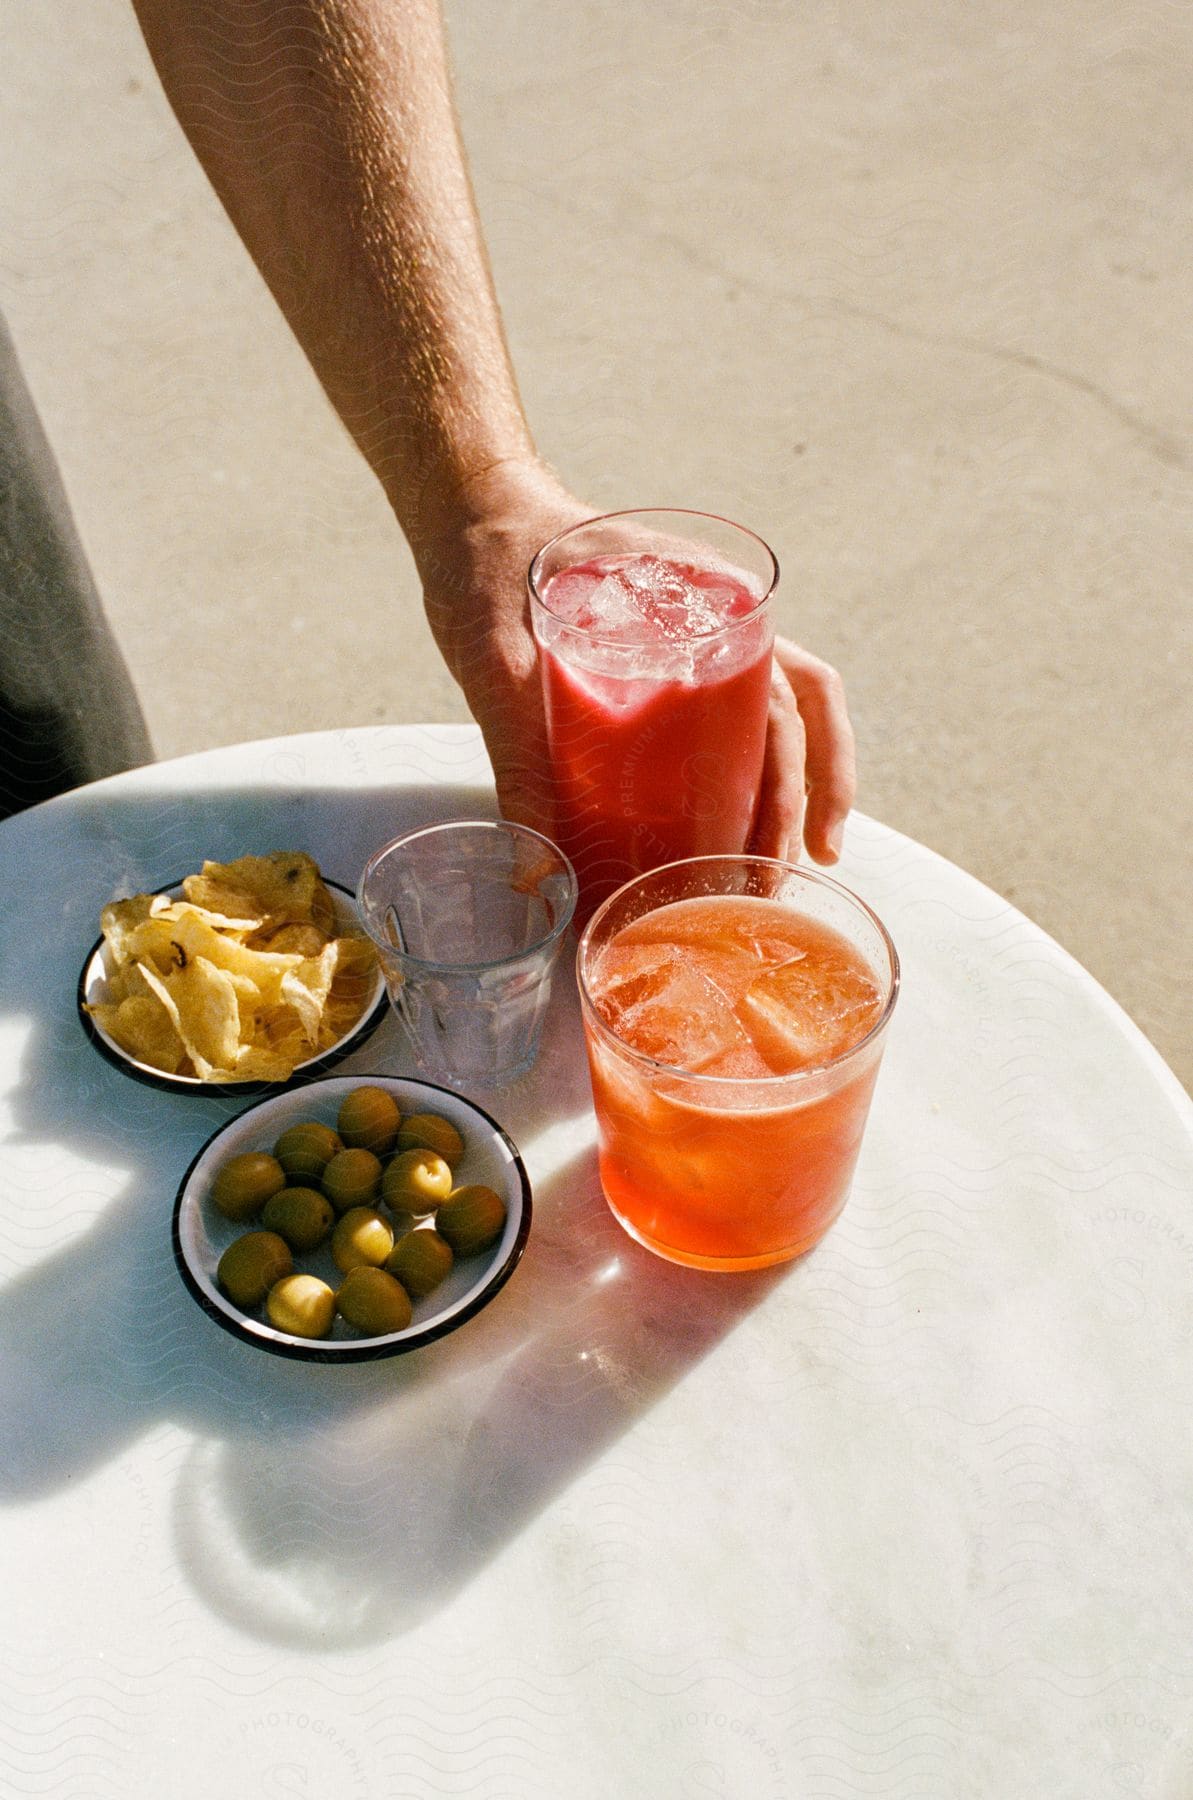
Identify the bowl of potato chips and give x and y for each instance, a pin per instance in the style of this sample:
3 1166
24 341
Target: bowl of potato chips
247 976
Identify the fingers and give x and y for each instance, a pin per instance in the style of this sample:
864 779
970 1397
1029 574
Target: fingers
780 814
514 729
523 793
509 710
828 764
473 566
493 659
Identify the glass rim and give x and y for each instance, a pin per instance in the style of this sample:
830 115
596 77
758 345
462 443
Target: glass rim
506 828
652 512
755 1083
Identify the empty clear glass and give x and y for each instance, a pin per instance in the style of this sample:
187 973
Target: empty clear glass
468 919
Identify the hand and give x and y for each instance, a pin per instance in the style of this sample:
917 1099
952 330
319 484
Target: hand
809 773
473 548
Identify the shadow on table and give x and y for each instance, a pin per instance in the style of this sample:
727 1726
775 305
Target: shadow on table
353 1530
316 1505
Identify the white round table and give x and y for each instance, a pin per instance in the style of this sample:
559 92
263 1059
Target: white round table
910 1517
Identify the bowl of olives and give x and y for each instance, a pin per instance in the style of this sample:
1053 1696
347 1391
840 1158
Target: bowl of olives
362 1216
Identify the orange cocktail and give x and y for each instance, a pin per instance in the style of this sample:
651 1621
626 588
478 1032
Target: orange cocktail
735 1012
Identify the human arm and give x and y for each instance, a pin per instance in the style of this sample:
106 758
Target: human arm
327 129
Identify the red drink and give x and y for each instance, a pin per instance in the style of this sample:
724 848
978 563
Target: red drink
656 681
734 1042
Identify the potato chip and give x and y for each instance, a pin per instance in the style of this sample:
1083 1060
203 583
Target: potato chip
159 988
357 959
120 918
258 1062
142 1026
338 1019
351 985
307 987
240 981
208 1016
185 938
296 940
152 944
210 896
285 885
181 909
202 1003
126 984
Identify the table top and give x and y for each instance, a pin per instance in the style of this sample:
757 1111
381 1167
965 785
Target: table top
909 1517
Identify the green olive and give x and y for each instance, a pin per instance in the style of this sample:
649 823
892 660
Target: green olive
373 1302
301 1305
244 1184
420 1260
352 1178
471 1219
430 1131
369 1119
250 1266
361 1237
416 1181
300 1215
304 1150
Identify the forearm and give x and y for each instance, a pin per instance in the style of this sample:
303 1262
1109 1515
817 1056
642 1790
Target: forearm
327 129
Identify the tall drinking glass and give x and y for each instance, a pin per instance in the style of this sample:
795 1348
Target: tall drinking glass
735 1010
654 633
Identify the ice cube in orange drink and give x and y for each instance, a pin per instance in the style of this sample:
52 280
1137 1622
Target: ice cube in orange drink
732 1076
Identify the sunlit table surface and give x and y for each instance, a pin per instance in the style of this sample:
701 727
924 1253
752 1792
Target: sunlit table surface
910 1517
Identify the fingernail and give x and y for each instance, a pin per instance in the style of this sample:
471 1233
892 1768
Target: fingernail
836 837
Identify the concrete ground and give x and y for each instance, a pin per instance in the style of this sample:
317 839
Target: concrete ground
905 285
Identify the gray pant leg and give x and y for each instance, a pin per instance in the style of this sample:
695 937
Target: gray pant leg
68 712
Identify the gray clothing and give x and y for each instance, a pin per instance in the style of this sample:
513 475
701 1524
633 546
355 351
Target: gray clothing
68 712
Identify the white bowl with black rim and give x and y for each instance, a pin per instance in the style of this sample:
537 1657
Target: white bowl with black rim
92 991
201 1234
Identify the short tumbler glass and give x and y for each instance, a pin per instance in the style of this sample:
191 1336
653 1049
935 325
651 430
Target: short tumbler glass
720 1171
468 919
